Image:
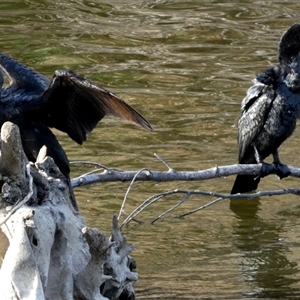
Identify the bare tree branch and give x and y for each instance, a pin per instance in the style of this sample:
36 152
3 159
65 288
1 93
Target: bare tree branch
109 175
189 193
106 174
247 196
159 196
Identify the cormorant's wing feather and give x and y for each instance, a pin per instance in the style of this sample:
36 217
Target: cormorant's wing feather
22 77
75 105
255 109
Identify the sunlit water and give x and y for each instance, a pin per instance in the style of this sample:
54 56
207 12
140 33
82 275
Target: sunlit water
186 66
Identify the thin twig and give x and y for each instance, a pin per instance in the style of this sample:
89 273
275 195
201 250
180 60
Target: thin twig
170 169
90 163
247 196
294 191
140 208
170 209
148 202
127 192
96 171
26 199
201 207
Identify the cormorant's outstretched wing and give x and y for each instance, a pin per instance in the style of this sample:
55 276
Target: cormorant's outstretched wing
255 109
75 105
22 77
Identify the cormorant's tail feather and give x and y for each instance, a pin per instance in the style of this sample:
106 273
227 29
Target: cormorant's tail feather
245 183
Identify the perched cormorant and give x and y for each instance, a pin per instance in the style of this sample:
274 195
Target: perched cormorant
270 110
68 103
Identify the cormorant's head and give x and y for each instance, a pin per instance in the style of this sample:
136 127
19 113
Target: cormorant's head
289 46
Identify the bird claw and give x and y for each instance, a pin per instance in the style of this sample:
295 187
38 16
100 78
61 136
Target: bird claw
266 169
282 170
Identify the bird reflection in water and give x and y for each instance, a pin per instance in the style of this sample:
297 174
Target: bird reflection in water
262 252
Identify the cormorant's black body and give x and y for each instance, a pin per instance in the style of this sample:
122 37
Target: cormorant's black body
68 103
270 109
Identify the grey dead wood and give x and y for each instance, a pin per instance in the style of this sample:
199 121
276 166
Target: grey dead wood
46 250
105 174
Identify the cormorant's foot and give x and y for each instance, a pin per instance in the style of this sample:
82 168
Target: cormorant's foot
266 169
277 168
282 170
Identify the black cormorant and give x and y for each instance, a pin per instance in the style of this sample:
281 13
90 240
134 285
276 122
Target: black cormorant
68 103
270 110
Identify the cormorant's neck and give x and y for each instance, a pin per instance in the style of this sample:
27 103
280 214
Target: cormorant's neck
289 57
22 76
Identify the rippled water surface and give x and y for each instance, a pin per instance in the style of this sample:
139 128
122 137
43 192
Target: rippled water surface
186 66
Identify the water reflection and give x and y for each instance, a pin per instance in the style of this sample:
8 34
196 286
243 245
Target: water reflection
262 253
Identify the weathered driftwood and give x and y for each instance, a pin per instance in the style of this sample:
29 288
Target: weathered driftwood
46 250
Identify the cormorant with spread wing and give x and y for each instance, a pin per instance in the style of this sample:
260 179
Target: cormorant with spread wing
68 103
269 111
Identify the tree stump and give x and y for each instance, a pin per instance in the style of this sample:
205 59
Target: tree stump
46 250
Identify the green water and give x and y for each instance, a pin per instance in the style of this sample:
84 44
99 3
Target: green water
186 65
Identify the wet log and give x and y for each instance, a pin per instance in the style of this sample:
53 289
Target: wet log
46 250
